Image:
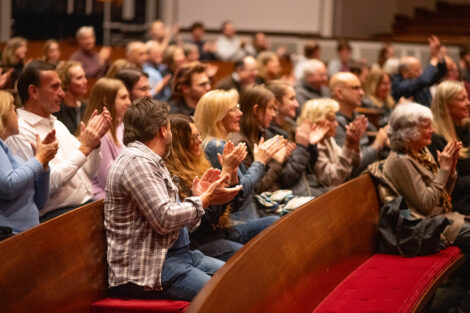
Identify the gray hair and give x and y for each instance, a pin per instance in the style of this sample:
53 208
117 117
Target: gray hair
404 122
311 66
143 120
84 30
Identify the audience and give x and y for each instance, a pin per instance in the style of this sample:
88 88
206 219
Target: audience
343 62
136 82
218 114
347 91
217 236
206 49
111 94
450 109
75 86
136 54
313 83
244 74
51 52
229 46
414 174
159 84
189 84
334 164
411 81
146 226
95 64
77 160
259 107
377 94
14 57
173 58
116 66
269 67
24 185
311 51
160 33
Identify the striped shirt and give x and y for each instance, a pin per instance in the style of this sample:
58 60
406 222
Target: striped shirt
143 216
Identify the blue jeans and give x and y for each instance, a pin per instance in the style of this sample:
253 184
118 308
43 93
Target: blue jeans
223 249
183 276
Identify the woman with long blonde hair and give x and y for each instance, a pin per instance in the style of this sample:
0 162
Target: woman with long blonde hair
112 95
218 114
450 109
377 93
216 236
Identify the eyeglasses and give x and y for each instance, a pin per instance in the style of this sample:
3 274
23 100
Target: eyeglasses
235 108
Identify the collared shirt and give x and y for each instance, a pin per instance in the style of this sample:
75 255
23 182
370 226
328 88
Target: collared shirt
143 217
71 170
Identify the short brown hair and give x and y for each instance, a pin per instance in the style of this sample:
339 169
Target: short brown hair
143 120
183 77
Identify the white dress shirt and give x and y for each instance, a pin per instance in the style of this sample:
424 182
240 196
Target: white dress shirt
71 170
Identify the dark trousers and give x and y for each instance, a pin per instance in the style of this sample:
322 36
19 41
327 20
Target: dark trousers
54 213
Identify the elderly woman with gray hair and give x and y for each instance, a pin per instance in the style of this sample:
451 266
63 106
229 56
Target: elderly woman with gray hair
424 183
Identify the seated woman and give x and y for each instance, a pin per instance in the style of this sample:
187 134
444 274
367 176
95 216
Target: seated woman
217 114
377 94
111 94
424 183
334 164
306 137
14 57
216 236
51 52
75 86
24 185
259 107
450 107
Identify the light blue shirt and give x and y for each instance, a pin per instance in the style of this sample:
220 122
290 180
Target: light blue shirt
24 188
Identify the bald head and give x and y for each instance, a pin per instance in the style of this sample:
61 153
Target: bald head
136 53
346 88
409 67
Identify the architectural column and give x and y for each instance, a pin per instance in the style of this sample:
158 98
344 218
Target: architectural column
5 20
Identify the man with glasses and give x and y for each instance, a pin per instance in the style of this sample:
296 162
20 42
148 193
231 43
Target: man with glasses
346 88
188 86
136 82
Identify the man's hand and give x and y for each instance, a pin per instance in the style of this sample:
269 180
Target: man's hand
210 188
104 55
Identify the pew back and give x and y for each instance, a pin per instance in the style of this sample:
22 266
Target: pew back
294 265
59 266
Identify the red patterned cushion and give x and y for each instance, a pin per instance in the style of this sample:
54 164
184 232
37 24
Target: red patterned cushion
112 305
387 283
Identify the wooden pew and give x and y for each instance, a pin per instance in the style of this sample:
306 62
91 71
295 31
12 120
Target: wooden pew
296 264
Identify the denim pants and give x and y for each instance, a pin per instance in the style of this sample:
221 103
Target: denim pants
183 276
240 234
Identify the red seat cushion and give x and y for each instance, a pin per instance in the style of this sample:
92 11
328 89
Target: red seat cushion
387 283
113 305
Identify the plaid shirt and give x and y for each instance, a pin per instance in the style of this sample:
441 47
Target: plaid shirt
143 216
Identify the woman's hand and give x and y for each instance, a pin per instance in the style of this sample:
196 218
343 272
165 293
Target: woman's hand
448 157
210 188
231 158
265 150
318 132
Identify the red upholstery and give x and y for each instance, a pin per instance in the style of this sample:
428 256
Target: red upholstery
387 283
112 305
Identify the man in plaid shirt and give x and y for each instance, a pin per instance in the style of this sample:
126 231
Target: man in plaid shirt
146 224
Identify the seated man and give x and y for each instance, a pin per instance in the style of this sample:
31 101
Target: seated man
313 83
412 82
78 159
136 82
146 224
136 53
189 84
346 88
244 74
94 64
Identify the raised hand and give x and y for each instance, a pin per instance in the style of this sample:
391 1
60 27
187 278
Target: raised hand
231 158
381 139
214 192
265 150
282 153
5 77
302 134
46 149
446 158
318 132
96 128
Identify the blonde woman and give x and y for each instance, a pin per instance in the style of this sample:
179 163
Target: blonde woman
377 93
51 52
24 185
218 114
334 164
75 86
111 94
14 57
450 109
